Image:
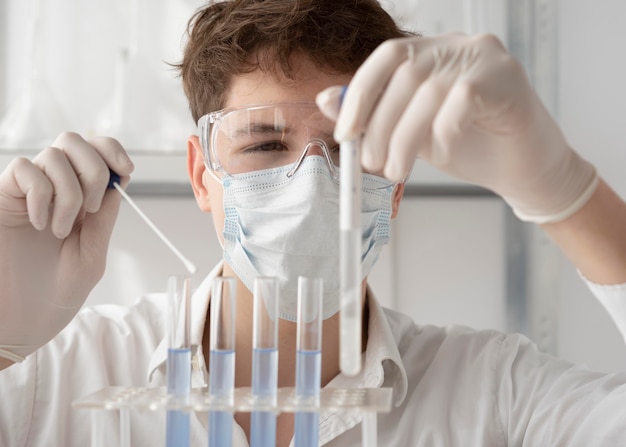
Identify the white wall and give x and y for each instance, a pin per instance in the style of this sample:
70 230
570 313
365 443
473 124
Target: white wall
449 262
592 93
138 262
592 109
75 46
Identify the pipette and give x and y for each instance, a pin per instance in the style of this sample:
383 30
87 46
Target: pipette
308 359
114 182
350 258
178 358
222 359
264 361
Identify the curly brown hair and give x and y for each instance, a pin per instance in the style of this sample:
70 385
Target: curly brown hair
233 37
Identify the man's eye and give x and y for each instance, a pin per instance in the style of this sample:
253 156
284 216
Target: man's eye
269 146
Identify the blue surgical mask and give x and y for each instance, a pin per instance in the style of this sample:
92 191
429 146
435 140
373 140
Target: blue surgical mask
287 227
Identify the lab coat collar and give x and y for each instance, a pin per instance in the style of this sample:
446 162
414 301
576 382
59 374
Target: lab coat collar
382 363
382 366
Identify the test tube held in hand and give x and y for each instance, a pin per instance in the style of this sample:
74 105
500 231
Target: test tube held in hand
178 358
308 359
350 259
264 361
222 358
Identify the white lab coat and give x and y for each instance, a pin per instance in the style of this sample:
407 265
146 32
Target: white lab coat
451 386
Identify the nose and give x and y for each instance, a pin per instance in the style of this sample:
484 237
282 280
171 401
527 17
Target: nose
315 146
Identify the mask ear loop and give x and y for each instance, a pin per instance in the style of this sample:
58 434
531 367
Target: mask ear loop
329 161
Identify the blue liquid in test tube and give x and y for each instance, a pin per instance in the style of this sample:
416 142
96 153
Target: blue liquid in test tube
222 359
264 361
178 359
178 384
308 359
221 384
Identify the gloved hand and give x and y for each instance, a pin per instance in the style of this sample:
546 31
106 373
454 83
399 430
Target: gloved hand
464 105
56 219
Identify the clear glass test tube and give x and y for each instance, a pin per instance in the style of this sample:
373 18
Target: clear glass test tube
222 358
350 316
264 361
308 359
178 358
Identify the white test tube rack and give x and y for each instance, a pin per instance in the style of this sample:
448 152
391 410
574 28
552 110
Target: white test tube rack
369 401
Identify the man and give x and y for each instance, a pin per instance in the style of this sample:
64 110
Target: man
252 72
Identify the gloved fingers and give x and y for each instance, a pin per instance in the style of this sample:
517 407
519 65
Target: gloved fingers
329 101
485 105
440 54
25 189
97 227
367 85
391 106
91 161
412 134
67 198
113 154
90 169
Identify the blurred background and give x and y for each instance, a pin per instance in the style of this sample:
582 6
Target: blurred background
458 255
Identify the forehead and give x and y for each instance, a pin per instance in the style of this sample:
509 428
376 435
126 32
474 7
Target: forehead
262 87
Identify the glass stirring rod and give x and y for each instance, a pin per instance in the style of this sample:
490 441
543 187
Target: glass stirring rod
114 183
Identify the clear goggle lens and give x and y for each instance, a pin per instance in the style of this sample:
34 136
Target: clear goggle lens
254 138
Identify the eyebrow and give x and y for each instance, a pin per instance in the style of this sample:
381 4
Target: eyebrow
271 129
260 129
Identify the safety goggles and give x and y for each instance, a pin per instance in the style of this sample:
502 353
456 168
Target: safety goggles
240 140
245 139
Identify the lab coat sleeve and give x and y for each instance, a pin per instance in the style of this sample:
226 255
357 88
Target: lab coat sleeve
613 299
17 396
545 401
102 346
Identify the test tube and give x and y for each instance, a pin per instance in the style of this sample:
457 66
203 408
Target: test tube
178 358
308 359
350 259
222 359
264 361
369 430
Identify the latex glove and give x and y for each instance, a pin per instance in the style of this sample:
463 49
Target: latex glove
56 219
464 105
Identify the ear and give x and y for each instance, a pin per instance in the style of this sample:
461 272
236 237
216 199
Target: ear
196 170
397 196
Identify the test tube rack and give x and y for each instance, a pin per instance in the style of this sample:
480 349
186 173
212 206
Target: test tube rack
369 401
